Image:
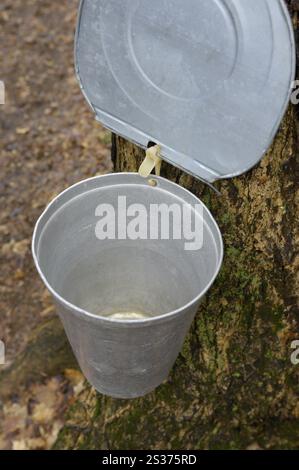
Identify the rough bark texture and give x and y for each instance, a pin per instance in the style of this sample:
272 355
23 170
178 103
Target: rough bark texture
233 385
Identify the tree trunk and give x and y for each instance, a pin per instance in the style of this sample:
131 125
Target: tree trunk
233 385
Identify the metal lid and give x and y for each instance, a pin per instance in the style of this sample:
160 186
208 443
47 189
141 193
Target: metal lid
208 80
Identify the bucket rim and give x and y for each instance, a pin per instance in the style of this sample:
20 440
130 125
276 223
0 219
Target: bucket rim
82 313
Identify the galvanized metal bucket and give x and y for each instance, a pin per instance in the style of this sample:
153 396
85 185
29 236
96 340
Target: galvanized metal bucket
126 305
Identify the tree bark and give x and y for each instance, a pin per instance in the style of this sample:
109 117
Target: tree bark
233 386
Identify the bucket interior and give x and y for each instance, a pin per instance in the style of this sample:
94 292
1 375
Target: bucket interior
122 278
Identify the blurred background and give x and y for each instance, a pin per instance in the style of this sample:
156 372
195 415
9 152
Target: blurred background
49 140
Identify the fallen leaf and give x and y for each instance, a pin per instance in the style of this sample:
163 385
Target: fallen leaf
19 445
42 414
22 130
74 376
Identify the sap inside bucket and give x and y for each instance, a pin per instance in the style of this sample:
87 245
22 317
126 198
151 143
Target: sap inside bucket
118 295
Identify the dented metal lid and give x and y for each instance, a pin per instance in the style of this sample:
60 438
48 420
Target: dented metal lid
208 80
